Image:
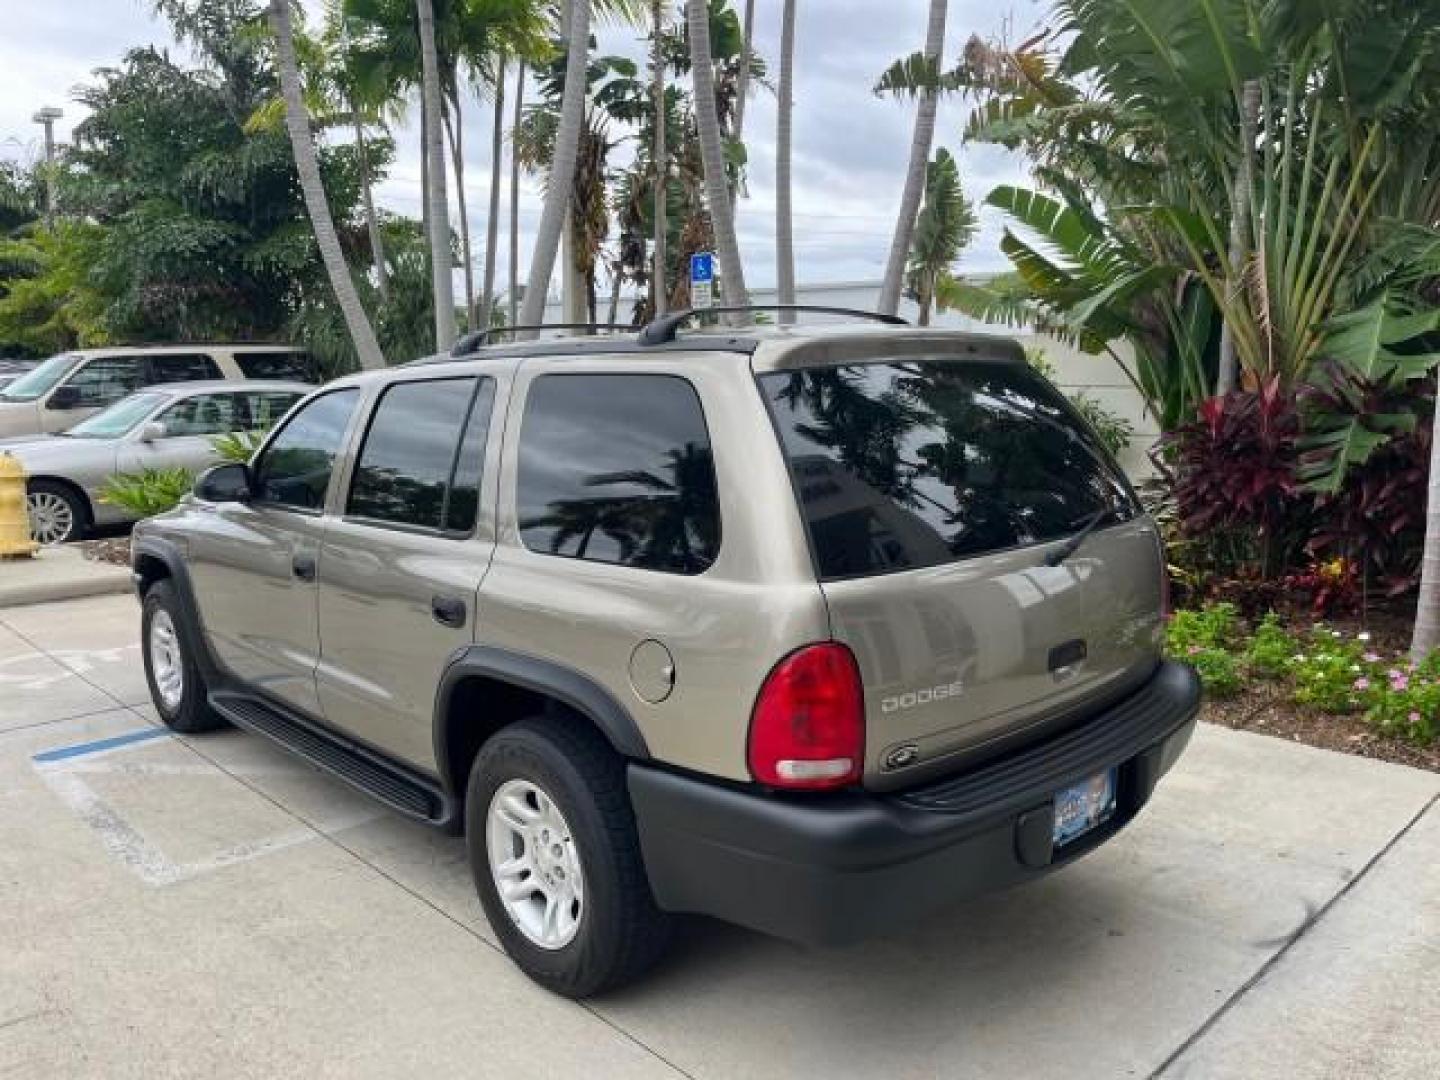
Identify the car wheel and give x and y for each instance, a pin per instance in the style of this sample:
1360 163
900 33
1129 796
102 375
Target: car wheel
556 858
57 514
176 686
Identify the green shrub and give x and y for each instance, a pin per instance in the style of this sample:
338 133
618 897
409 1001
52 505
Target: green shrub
148 493
1272 649
1333 672
1214 626
1218 669
238 446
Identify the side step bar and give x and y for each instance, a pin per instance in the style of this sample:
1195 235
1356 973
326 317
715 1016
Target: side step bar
400 789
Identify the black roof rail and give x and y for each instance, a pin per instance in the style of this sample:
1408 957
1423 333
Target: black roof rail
480 338
664 329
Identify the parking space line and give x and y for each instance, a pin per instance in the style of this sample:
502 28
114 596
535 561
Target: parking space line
96 746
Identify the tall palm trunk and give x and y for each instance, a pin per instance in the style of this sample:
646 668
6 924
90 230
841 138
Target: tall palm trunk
742 89
1240 225
923 136
492 224
661 159
456 134
435 201
307 165
1426 635
707 123
562 165
784 222
372 220
515 200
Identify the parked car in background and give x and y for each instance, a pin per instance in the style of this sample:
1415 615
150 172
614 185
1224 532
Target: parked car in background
164 427
10 370
69 387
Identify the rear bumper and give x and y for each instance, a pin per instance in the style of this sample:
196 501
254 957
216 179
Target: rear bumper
834 869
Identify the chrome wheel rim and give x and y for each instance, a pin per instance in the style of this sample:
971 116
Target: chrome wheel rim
166 664
51 519
535 864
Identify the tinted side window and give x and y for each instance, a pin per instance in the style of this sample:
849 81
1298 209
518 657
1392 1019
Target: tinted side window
295 469
206 414
105 379
618 469
260 411
269 365
182 367
464 503
411 454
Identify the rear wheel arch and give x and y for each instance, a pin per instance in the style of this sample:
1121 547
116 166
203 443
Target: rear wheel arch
73 490
484 690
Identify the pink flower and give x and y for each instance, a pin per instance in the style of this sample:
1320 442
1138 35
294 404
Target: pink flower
1192 650
1362 683
1371 658
1414 717
1399 682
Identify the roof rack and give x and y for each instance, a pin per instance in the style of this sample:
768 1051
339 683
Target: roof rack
480 338
664 329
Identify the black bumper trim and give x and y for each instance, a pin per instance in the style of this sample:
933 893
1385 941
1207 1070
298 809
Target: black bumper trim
838 868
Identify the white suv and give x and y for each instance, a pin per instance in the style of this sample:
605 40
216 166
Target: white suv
71 386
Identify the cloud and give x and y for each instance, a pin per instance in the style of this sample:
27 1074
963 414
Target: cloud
850 148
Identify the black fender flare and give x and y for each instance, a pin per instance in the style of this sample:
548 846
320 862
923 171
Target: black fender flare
178 572
564 684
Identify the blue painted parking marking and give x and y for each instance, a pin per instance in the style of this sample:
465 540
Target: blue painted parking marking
63 753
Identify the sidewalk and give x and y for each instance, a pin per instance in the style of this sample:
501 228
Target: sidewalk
58 573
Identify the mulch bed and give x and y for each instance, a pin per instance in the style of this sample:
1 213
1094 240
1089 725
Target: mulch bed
115 550
1266 708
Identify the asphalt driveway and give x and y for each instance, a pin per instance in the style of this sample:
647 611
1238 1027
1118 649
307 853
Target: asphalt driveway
210 907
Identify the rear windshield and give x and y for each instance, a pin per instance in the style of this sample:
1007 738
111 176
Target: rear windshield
928 461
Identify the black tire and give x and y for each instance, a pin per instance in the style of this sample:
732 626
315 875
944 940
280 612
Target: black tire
192 714
621 932
76 503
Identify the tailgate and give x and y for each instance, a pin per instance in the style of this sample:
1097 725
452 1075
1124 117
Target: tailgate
964 660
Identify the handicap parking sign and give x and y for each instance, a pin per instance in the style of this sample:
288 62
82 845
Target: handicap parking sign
702 268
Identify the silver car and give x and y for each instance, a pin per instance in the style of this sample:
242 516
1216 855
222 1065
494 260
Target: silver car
160 428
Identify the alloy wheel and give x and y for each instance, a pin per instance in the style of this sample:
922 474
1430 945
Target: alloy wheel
535 864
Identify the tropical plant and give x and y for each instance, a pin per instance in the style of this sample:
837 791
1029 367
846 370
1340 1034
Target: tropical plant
237 446
944 228
924 133
307 164
148 492
47 301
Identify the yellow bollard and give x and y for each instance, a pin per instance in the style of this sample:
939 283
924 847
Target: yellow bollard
14 520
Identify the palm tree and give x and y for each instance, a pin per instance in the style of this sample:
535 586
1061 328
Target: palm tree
945 226
1426 635
297 123
784 221
921 139
659 156
435 200
492 226
562 167
707 123
515 199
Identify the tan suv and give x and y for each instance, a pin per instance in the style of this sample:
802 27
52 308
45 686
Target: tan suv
815 630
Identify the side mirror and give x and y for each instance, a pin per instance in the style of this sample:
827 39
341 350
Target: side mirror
64 397
153 430
225 483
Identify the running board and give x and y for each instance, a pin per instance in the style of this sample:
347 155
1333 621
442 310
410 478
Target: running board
398 788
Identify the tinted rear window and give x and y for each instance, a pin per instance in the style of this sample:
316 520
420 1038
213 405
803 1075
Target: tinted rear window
913 464
296 367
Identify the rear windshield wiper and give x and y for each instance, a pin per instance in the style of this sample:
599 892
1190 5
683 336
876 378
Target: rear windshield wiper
1065 550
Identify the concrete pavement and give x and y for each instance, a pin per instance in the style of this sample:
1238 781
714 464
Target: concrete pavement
211 907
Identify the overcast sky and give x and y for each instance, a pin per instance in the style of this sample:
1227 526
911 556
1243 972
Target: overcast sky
850 147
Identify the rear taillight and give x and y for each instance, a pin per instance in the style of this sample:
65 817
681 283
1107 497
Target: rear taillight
807 731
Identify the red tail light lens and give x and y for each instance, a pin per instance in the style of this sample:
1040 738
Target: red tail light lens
807 731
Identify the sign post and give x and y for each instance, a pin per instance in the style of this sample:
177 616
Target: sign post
702 280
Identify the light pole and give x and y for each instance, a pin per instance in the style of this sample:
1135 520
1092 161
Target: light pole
46 118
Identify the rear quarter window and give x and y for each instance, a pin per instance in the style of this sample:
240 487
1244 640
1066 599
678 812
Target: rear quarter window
902 465
291 367
618 469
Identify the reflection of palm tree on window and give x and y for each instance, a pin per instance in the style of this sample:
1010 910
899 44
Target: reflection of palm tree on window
663 522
